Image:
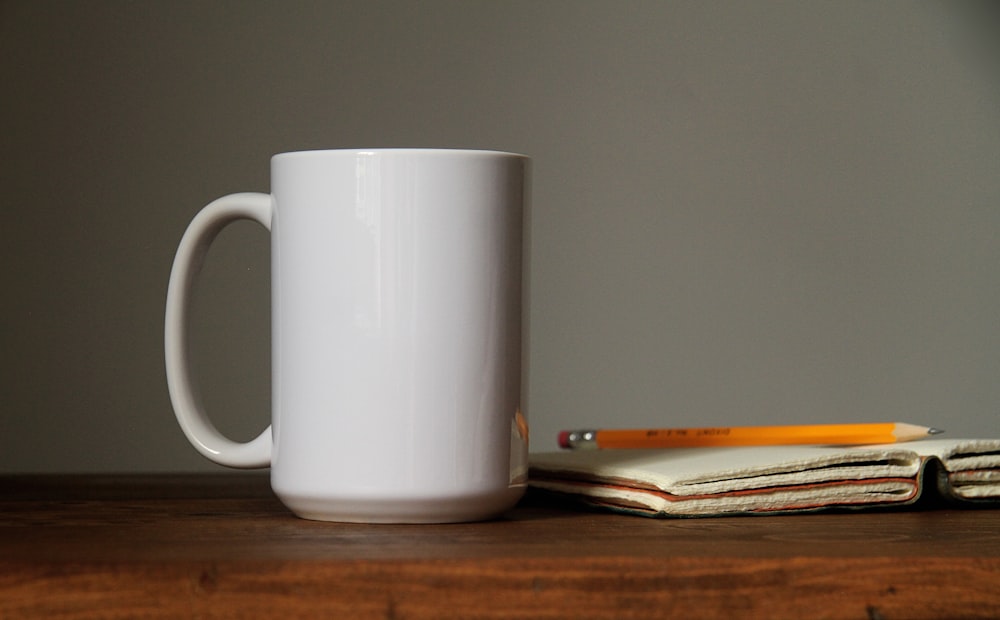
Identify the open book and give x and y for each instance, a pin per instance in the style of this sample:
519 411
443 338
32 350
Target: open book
774 479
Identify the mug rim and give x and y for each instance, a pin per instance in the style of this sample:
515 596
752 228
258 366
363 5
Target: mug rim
399 151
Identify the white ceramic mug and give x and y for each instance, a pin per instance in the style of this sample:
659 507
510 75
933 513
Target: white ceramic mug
396 333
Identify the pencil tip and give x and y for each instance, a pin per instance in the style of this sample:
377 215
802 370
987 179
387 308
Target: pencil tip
934 431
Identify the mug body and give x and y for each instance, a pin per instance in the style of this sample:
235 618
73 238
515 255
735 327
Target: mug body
396 310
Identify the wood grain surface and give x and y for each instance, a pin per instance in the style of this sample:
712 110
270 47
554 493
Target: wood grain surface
221 546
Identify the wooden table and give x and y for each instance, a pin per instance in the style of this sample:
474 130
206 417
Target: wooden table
221 546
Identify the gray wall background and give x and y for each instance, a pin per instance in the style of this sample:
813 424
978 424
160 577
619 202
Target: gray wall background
744 212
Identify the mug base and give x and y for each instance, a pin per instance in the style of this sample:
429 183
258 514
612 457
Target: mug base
466 508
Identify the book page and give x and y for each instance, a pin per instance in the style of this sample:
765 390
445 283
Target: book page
698 471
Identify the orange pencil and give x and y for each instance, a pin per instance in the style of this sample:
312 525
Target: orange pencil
837 434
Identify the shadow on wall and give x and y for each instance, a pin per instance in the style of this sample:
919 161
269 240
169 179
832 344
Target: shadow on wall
976 34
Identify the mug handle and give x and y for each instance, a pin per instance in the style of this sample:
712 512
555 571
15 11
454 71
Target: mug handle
191 251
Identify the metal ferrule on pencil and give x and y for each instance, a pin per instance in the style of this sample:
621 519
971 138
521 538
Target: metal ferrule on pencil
582 440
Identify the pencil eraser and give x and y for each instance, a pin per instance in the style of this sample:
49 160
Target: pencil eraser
564 439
